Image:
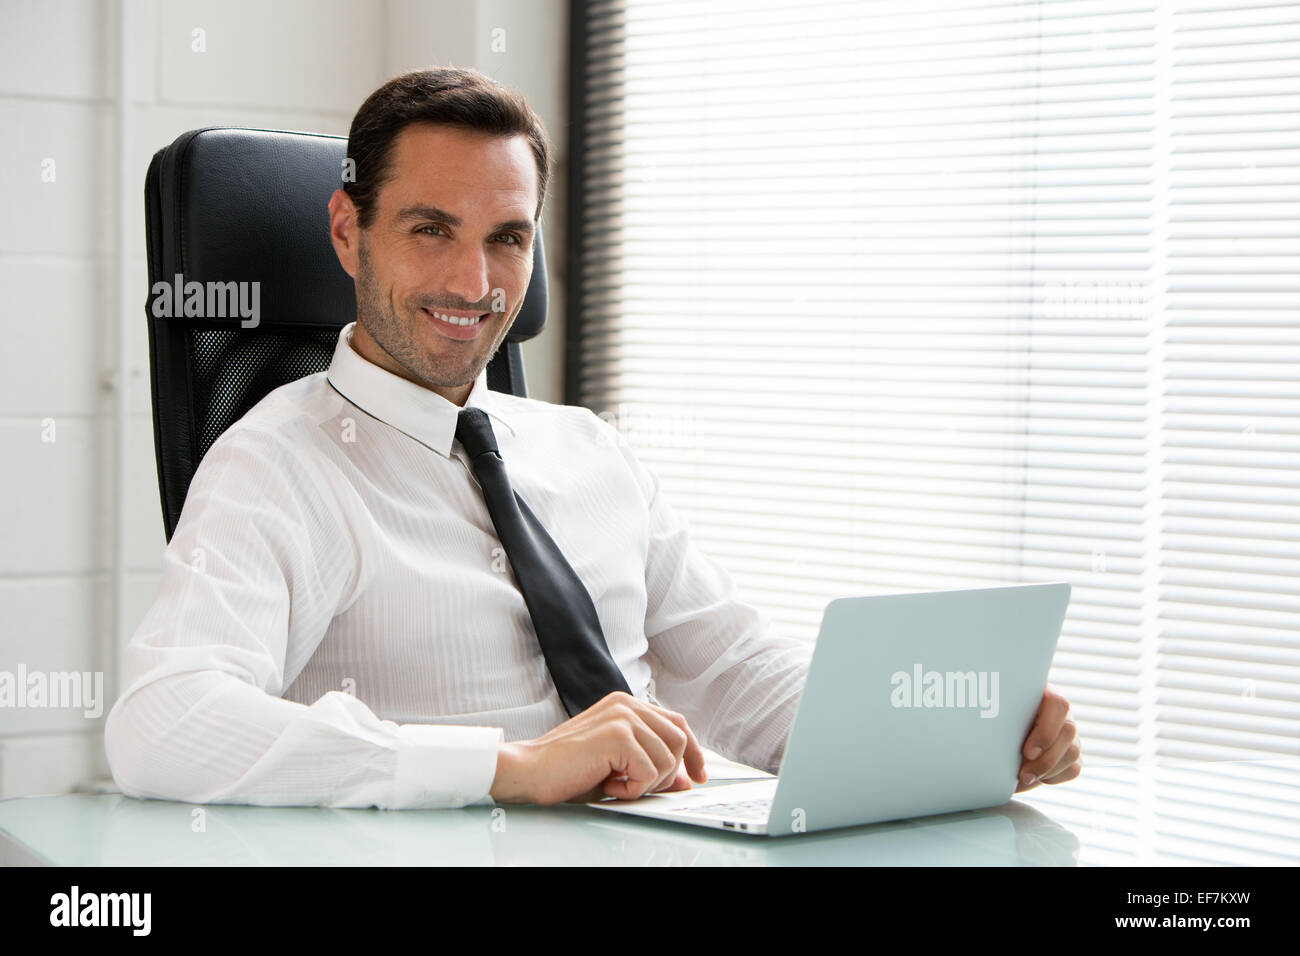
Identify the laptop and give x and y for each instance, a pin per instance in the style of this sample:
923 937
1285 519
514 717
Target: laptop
915 704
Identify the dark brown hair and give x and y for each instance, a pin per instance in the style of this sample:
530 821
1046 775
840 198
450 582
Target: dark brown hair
449 96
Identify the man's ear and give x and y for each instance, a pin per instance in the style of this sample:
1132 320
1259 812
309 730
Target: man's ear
344 232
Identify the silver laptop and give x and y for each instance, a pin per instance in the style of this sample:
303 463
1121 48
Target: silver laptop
915 704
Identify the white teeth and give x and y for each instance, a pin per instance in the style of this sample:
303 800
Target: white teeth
453 320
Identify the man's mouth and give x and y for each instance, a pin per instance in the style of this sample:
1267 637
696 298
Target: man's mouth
456 318
460 326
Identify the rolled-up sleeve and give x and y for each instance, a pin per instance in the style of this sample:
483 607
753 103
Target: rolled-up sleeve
257 556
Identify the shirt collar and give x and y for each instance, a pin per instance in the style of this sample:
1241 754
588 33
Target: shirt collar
410 408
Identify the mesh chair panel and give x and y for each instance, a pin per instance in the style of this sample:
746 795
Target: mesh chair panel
235 369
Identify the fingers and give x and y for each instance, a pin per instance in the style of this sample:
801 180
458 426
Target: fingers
1047 724
1043 735
1067 768
1072 770
1057 764
680 782
672 727
663 743
693 756
1047 742
637 758
666 740
645 748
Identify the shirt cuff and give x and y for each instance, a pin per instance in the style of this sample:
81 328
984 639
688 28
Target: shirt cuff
445 766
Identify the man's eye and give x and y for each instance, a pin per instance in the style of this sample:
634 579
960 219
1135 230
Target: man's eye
511 235
423 228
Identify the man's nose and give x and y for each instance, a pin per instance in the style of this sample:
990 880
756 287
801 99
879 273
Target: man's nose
465 273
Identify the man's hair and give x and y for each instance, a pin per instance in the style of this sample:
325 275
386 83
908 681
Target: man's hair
447 96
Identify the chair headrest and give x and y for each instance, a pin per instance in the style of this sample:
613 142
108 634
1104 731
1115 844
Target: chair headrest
250 205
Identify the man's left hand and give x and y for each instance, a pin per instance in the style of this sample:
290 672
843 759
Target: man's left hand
1051 751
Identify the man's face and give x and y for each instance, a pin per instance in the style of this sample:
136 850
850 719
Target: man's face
452 236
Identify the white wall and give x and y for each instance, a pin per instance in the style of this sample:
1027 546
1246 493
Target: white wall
290 64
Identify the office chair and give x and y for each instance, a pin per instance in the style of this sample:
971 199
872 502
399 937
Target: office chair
231 205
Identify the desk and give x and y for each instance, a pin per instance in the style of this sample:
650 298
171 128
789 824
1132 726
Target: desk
1193 812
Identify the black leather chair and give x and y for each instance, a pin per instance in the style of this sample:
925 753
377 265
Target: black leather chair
225 204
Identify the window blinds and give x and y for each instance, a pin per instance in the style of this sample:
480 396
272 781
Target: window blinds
909 296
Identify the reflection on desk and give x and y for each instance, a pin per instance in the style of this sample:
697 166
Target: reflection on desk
1207 812
114 830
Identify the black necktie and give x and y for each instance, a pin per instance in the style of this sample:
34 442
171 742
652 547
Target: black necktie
563 613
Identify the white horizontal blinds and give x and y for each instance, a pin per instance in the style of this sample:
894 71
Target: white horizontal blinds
751 205
872 288
1229 676
892 384
1082 204
1239 814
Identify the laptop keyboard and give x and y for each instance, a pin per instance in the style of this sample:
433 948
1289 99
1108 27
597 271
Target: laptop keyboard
758 810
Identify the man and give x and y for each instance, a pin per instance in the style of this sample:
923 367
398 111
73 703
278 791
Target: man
338 623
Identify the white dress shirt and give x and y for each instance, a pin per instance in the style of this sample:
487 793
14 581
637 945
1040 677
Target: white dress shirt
337 624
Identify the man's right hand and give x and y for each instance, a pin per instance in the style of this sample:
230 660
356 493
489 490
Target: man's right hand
618 747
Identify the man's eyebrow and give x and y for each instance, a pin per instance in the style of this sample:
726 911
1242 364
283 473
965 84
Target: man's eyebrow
425 212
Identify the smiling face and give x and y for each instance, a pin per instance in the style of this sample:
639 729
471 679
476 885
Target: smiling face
452 238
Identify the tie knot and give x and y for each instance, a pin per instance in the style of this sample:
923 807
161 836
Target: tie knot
474 431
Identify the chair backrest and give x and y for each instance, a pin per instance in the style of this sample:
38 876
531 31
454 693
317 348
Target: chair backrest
226 208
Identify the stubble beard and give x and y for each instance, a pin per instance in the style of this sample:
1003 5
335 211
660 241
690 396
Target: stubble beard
397 337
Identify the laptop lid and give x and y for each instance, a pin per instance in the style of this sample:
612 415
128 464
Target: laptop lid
917 704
